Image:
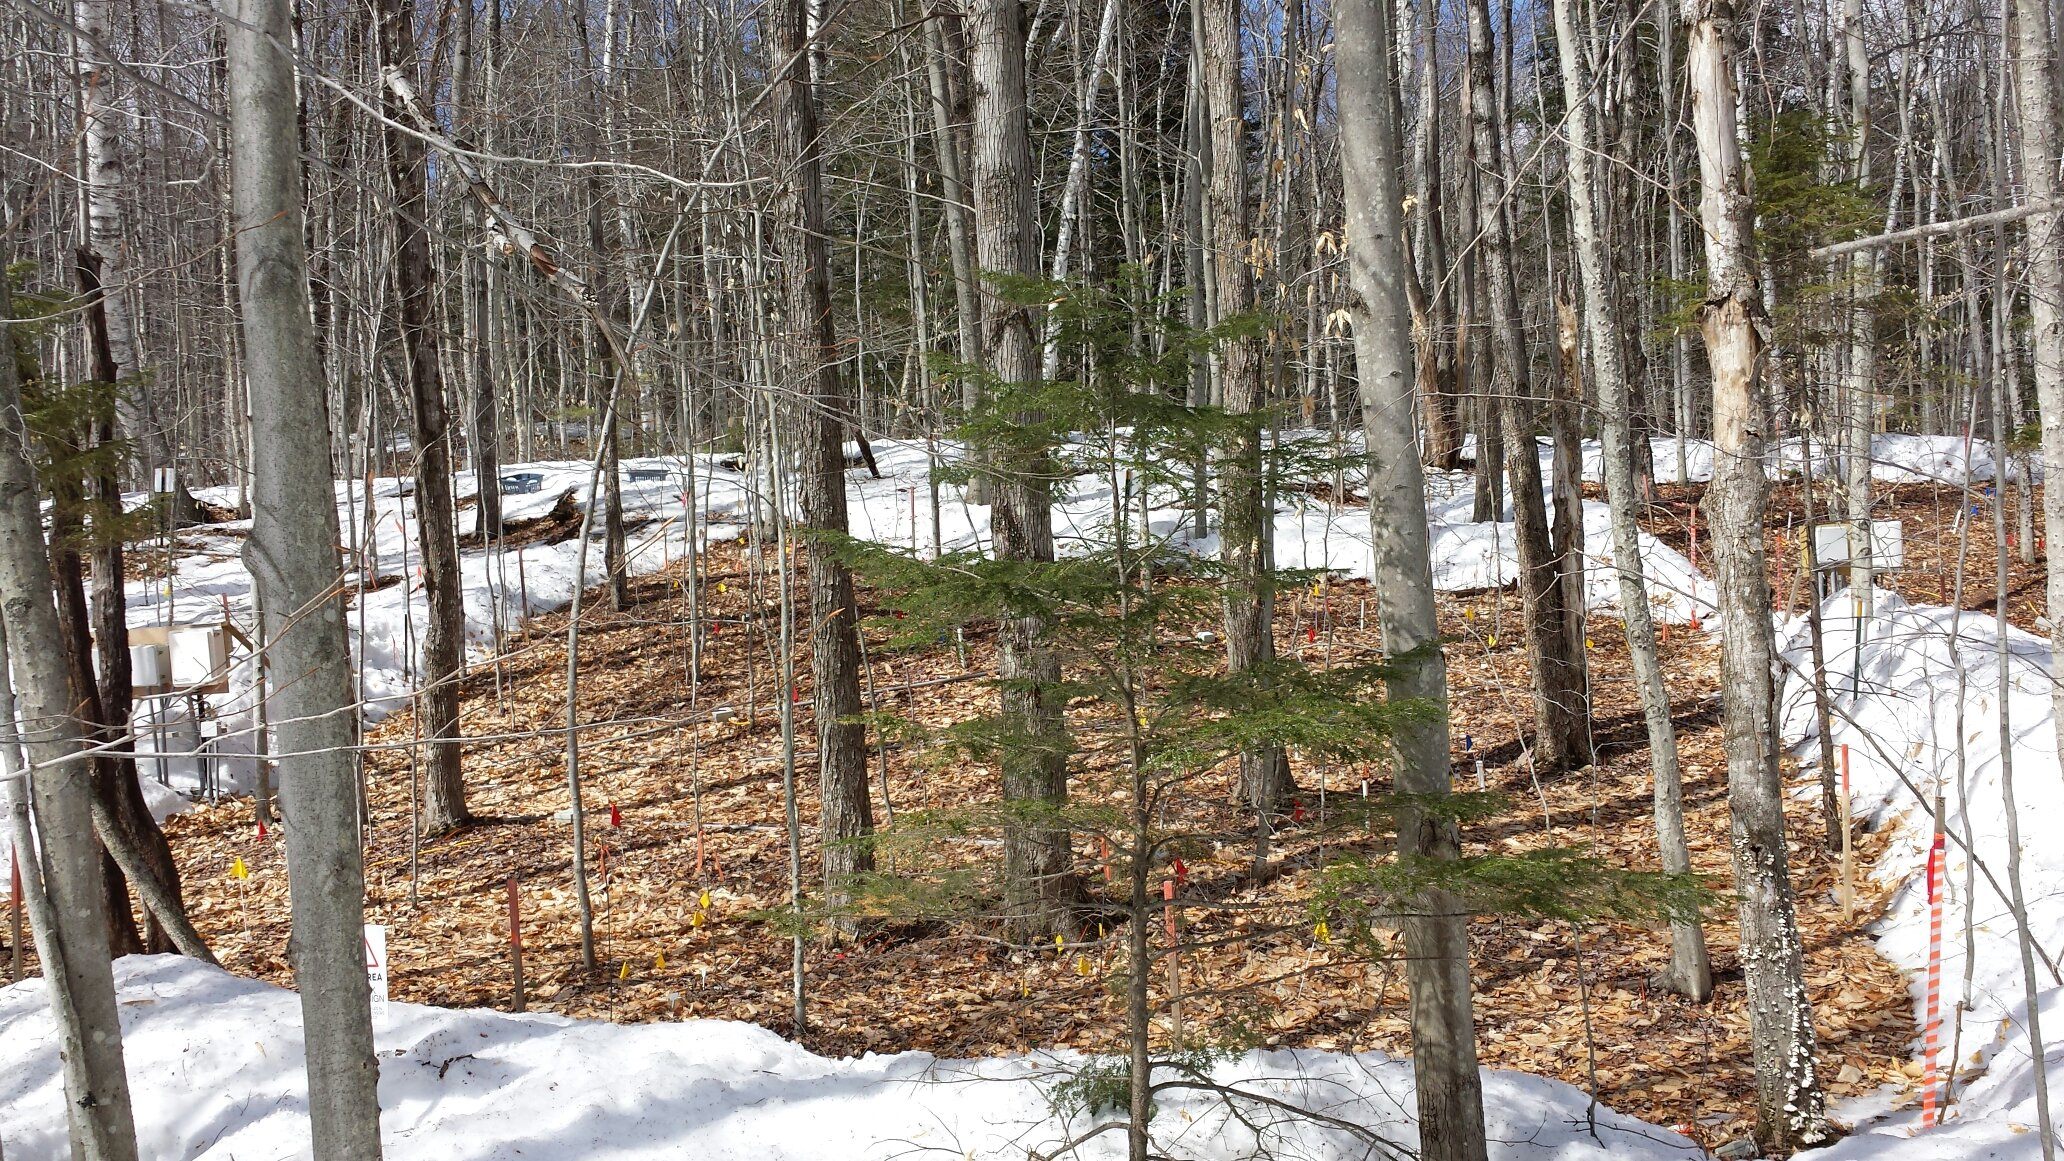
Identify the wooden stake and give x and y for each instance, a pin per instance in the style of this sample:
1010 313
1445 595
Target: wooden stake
1174 962
1848 862
14 916
515 948
523 592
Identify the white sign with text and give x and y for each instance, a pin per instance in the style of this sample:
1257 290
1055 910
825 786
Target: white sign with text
376 962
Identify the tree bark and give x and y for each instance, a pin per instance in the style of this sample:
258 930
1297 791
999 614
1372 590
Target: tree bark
2035 101
1450 1087
942 65
444 790
107 189
1863 284
1690 972
75 628
1438 400
1245 519
292 555
817 413
128 832
74 952
1561 709
483 433
1789 1104
1039 880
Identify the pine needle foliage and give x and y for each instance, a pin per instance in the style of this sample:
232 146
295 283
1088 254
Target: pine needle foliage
1156 721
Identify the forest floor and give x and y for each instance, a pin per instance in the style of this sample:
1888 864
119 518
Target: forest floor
682 934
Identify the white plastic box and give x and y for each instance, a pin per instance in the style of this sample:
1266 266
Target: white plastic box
200 656
150 667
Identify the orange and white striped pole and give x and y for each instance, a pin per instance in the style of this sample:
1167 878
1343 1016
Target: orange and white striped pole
1931 1033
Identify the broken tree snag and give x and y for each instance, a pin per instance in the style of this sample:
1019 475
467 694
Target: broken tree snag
1790 1107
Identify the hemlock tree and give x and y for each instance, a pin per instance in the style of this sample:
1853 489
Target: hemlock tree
817 407
444 636
1037 867
76 968
293 559
1690 970
1163 721
1790 1108
1450 1088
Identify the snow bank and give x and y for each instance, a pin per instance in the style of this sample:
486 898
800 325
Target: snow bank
215 1064
1896 458
1918 701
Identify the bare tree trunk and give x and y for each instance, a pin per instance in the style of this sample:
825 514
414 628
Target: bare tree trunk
1076 188
946 150
123 819
1472 359
2035 93
1862 378
74 952
1789 1105
293 558
75 628
1450 1088
1437 391
483 431
107 190
1690 971
444 790
614 367
1038 873
1245 518
818 413
1561 710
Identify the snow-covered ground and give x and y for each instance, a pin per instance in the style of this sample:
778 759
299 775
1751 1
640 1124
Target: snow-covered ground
1896 458
1918 704
499 590
215 1065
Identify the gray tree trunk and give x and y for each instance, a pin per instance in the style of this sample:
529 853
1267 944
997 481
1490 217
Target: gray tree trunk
1690 971
1561 709
444 637
1245 521
1789 1105
2035 99
483 434
818 409
1450 1087
1437 389
293 558
75 952
1039 879
941 67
